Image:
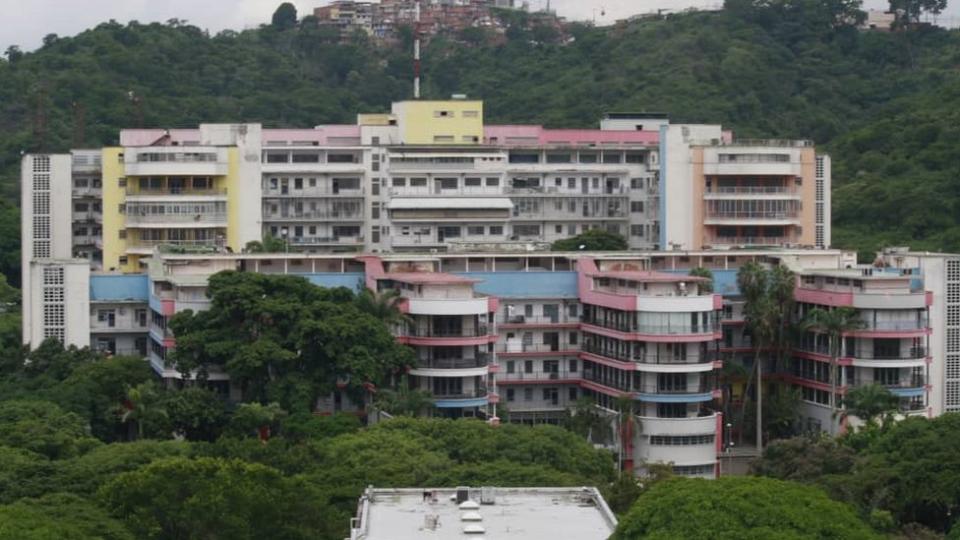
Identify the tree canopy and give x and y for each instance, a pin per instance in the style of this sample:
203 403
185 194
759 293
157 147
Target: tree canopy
739 507
592 240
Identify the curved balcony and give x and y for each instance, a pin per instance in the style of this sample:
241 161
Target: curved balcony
683 441
656 333
912 357
539 377
517 348
466 399
652 392
442 337
448 306
651 363
892 329
452 367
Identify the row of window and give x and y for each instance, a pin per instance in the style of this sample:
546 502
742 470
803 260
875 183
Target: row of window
681 440
550 395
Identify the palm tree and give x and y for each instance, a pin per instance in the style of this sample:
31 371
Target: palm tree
870 401
707 286
627 426
782 284
405 401
384 305
761 312
834 323
587 421
141 405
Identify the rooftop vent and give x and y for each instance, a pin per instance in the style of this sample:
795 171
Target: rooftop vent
458 96
471 516
487 495
463 493
469 505
474 528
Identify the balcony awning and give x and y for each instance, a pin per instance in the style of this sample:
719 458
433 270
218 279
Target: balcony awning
450 203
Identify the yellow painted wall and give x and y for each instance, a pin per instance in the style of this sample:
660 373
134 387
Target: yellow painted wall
421 123
373 119
231 183
113 220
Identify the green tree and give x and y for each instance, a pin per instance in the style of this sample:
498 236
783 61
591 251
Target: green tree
269 244
405 401
870 402
143 407
285 16
807 458
384 305
44 428
197 413
283 339
705 273
592 240
211 498
909 11
760 314
834 323
254 418
58 515
739 507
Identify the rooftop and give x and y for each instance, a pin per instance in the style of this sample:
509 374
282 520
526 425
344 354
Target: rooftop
649 277
501 513
426 278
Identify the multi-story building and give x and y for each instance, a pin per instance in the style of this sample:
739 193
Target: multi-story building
429 200
889 347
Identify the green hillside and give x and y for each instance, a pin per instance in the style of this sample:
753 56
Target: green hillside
886 105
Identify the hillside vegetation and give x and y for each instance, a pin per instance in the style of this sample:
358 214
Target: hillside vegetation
886 105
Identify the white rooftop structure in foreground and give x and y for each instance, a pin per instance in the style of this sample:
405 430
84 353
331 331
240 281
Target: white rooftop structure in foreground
482 513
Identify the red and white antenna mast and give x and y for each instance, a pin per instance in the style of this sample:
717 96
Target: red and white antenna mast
416 52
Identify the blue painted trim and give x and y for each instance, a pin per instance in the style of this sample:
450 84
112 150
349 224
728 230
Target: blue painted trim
908 392
662 187
674 398
460 403
520 284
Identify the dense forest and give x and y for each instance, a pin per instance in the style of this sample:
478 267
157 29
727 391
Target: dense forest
885 105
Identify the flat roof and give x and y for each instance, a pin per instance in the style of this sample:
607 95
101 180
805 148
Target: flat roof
527 513
649 277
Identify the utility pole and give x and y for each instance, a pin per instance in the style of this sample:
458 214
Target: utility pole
416 52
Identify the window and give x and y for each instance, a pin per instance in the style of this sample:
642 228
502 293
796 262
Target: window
472 182
80 207
511 394
511 366
298 183
122 234
528 394
375 234
443 114
375 210
528 366
681 440
671 410
493 182
636 207
572 394
496 230
399 182
313 230
574 338
443 138
475 230
471 114
636 230
558 229
572 366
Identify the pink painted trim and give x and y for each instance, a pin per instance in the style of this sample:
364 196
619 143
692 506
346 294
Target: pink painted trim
653 338
717 301
566 136
929 295
628 366
447 341
602 389
889 333
168 307
510 382
372 269
493 368
493 398
493 304
718 364
510 326
516 354
824 298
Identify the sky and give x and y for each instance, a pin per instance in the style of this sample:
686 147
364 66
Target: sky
25 22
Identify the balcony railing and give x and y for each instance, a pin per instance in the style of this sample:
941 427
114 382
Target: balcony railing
751 240
319 240
477 392
149 244
647 387
133 191
648 358
657 329
296 216
752 190
202 218
538 376
913 353
314 192
511 347
909 381
523 319
906 325
554 190
478 331
453 363
791 214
